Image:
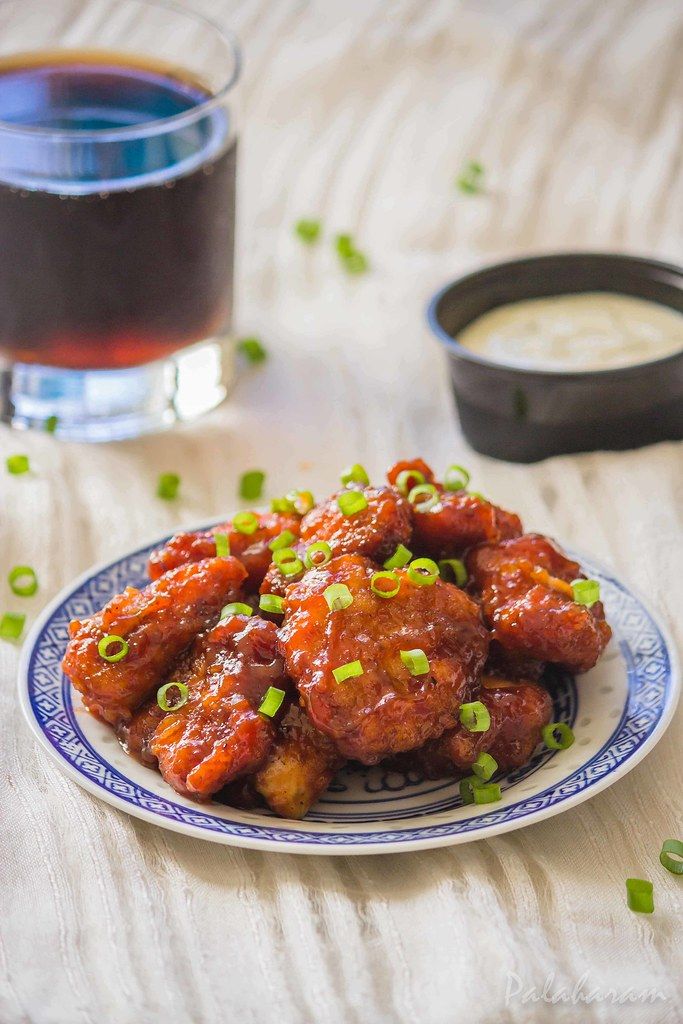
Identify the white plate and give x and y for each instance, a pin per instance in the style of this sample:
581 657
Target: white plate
618 712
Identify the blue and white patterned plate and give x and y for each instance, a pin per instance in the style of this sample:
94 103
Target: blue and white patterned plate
618 712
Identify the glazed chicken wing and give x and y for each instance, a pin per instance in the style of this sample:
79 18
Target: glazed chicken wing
250 548
158 623
300 766
385 709
219 735
518 713
528 603
375 531
457 521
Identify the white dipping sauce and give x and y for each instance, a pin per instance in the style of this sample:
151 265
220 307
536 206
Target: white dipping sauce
587 331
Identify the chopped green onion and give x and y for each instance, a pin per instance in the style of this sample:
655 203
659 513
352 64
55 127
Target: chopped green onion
251 484
354 261
308 230
344 246
471 178
320 548
478 494
487 793
456 478
51 424
272 603
295 501
338 597
355 474
351 502
407 479
485 767
415 661
423 572
557 736
167 486
172 705
11 626
673 864
112 640
466 788
236 608
288 562
281 505
17 464
400 557
378 581
348 671
453 569
245 522
639 895
423 497
586 592
222 545
252 350
24 573
283 540
475 717
272 702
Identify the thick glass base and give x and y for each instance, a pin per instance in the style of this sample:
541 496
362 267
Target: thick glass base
112 405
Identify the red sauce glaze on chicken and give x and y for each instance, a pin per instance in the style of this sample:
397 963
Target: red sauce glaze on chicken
386 709
375 532
251 549
528 604
157 623
219 734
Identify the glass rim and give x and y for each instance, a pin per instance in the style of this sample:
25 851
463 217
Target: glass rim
158 125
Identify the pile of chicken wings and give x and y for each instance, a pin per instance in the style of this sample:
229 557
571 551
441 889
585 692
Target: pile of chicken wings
408 623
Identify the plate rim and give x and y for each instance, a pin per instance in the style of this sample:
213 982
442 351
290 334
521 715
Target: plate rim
314 847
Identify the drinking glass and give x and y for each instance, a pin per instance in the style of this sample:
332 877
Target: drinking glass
118 138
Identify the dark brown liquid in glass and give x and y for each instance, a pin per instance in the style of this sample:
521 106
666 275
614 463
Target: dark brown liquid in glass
114 251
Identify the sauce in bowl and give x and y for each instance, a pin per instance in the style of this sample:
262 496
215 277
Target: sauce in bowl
576 332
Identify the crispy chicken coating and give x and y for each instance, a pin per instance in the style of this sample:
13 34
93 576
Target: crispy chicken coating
518 713
528 604
386 709
299 767
137 733
251 549
219 735
375 532
158 623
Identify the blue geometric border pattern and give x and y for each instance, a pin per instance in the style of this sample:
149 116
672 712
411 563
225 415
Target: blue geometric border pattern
650 691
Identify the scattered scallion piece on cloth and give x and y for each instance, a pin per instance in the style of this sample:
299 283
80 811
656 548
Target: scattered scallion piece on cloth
557 736
17 464
222 545
639 895
338 597
163 696
671 856
471 178
252 350
51 424
475 716
586 592
23 581
348 671
12 626
272 603
308 230
416 661
352 259
236 608
112 640
272 702
251 484
167 486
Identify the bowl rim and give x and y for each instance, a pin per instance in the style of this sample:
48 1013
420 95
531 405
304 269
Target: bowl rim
627 259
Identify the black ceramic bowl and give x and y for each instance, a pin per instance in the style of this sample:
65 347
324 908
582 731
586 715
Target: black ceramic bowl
524 415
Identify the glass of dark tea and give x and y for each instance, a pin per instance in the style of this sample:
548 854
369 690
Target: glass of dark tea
118 135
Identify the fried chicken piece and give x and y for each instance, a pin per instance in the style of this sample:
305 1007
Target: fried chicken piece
299 767
375 531
386 709
136 735
527 601
251 549
219 735
418 466
158 623
518 713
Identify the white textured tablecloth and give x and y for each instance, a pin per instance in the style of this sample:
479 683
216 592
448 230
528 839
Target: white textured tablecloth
362 113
